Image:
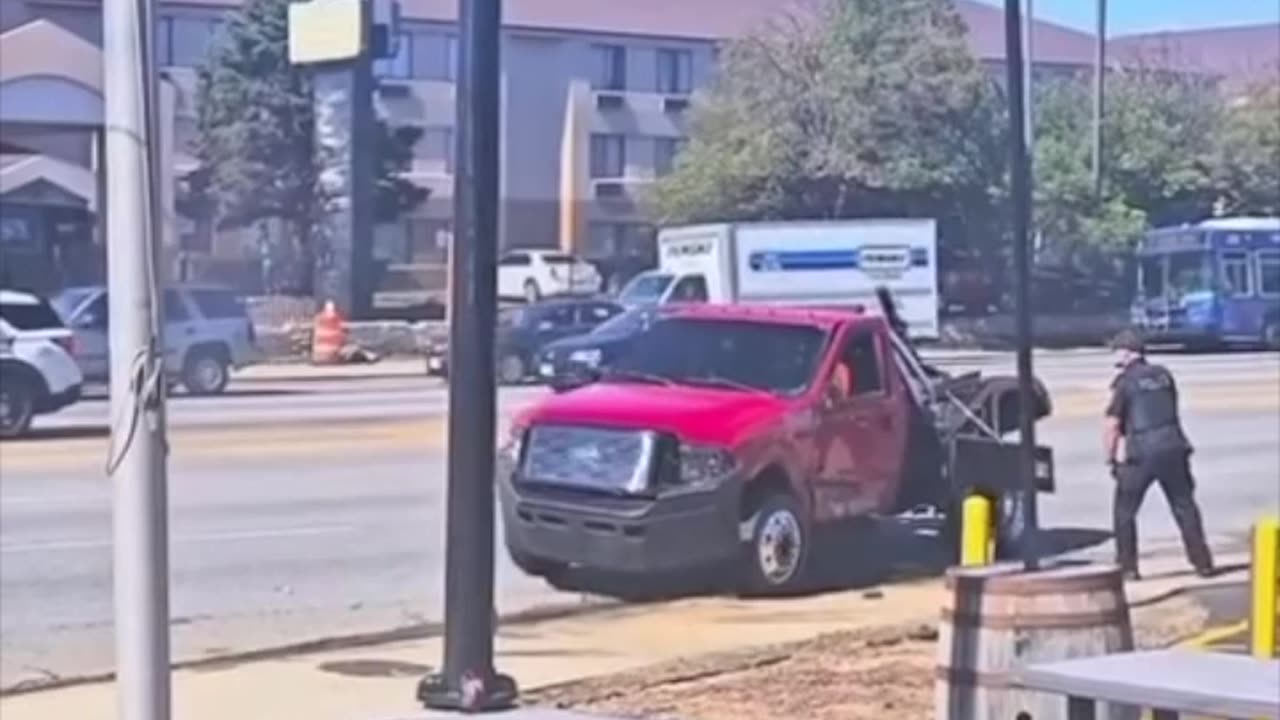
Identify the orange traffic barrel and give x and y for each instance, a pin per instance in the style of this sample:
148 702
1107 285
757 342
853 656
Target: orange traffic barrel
328 335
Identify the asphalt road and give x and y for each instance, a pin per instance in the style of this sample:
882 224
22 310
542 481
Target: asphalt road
302 509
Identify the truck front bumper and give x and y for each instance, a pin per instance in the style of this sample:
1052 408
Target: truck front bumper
675 531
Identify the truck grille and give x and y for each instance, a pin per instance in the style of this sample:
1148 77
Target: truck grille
613 461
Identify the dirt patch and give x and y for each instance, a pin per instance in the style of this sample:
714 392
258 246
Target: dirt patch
864 674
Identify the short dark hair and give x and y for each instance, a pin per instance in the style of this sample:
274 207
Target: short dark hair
1130 340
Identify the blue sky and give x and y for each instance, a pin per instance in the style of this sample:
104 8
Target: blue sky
1129 16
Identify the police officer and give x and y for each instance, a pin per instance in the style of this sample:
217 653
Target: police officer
1144 412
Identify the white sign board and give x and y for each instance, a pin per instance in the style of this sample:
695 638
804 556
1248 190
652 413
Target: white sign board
325 31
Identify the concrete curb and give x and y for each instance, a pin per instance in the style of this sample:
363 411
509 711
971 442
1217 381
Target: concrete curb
418 631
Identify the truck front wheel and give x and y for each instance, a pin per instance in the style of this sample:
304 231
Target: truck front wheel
778 554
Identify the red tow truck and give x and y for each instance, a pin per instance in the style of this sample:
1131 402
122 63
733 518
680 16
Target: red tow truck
730 434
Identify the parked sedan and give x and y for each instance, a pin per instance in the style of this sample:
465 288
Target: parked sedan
524 331
573 360
531 275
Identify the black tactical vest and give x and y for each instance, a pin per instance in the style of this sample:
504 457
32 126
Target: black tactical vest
1151 425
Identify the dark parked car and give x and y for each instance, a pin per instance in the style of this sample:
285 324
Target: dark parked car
524 331
574 360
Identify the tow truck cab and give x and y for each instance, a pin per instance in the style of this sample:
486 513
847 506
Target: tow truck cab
728 435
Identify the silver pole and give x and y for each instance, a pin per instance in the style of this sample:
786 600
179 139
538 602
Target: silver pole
136 466
1029 100
1028 67
1099 94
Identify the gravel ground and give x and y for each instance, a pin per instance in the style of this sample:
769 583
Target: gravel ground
860 675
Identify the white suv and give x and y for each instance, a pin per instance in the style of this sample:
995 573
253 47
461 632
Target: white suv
531 275
38 371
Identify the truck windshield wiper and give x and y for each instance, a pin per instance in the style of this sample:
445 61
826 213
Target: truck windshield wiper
723 382
637 376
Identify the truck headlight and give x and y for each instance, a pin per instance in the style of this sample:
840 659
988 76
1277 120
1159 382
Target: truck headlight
590 358
704 465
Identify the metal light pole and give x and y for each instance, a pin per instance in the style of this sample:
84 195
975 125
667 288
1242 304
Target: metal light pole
136 467
1099 92
1028 78
1020 172
468 680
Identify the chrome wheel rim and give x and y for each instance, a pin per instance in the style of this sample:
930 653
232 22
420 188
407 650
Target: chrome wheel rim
6 409
779 546
209 374
12 411
512 369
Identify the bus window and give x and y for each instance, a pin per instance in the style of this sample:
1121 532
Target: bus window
1236 278
1190 272
1269 273
1151 277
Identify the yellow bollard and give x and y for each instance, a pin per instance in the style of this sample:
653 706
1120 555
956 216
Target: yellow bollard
975 545
1265 577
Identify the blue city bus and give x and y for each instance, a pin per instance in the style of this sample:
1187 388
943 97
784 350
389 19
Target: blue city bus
1211 285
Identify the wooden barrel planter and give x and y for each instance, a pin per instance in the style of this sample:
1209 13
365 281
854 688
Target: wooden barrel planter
999 618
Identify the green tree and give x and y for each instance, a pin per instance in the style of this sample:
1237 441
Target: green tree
256 136
1248 165
858 108
1159 135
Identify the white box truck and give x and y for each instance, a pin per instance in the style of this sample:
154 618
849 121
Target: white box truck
816 263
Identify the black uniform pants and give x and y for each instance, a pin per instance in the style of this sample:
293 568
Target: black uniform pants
1173 472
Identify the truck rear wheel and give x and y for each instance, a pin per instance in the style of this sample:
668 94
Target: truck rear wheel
778 555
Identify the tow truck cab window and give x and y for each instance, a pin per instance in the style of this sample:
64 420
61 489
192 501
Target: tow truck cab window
862 356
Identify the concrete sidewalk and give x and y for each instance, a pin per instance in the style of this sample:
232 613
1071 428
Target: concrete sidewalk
378 682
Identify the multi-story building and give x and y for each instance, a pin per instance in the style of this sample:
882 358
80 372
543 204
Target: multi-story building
595 94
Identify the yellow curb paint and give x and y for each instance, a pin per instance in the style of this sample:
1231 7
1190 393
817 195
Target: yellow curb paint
1215 635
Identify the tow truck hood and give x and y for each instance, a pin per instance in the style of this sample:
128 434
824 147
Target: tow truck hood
695 414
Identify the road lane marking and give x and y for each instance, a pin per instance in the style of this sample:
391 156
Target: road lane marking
197 538
53 500
365 437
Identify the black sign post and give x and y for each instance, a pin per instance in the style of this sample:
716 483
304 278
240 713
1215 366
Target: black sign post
468 681
1020 174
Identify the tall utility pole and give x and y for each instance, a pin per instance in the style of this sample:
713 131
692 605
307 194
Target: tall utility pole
1020 172
1099 93
468 680
1028 77
136 467
1028 95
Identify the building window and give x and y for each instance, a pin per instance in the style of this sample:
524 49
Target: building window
427 240
436 147
435 56
610 67
608 156
1235 273
665 151
1269 272
675 71
188 41
400 65
621 240
162 43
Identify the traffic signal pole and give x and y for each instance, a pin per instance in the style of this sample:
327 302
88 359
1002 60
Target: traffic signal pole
468 681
